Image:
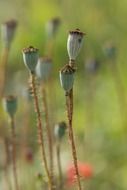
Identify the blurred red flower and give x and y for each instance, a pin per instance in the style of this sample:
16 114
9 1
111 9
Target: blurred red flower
85 171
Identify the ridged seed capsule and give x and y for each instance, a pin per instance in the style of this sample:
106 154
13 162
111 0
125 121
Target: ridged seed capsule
67 77
30 57
74 43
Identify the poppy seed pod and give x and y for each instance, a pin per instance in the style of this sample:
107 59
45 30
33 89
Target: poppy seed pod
43 68
59 130
30 57
74 43
8 31
67 77
10 105
52 27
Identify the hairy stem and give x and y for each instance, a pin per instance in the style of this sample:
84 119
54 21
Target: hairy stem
14 154
69 102
40 132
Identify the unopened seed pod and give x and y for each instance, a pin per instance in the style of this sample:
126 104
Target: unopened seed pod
67 77
8 31
74 43
30 57
52 27
60 129
10 105
43 68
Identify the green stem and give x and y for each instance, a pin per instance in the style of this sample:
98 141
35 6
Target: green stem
3 70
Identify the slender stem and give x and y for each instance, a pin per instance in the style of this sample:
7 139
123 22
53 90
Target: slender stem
49 47
59 165
7 160
7 152
40 132
49 135
91 80
69 102
14 153
7 180
25 130
3 70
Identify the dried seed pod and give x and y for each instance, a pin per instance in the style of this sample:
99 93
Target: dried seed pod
10 105
43 68
74 43
52 27
67 77
60 129
30 57
8 31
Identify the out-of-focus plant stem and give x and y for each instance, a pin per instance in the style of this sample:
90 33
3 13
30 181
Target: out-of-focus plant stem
49 47
58 154
122 100
48 129
90 86
3 70
26 121
7 161
12 123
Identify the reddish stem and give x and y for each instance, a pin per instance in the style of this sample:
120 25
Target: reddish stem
69 102
40 131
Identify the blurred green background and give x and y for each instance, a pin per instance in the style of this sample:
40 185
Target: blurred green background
100 105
